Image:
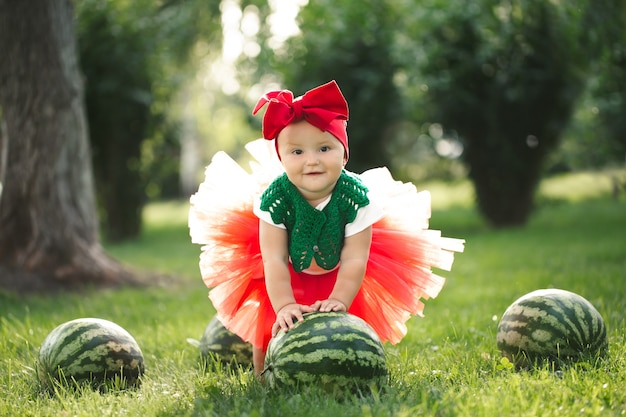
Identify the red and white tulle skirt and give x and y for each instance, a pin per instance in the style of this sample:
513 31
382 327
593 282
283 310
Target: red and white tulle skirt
398 275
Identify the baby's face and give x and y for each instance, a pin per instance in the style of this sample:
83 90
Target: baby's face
313 159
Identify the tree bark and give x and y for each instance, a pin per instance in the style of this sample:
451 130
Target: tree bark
48 220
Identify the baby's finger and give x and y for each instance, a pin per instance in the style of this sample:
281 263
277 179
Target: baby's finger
326 306
307 309
298 316
275 328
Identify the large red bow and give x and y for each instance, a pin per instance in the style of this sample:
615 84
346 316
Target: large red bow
324 107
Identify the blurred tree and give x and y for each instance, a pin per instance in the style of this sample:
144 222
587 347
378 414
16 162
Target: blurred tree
609 16
48 217
115 58
595 138
505 76
135 56
350 42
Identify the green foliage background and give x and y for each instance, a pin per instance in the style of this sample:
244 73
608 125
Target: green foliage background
525 87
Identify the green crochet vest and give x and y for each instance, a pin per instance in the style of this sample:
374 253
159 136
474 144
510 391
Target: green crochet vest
315 233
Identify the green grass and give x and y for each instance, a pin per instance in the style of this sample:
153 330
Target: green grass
448 365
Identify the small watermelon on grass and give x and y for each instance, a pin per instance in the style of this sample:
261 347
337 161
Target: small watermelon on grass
333 350
551 325
90 350
223 344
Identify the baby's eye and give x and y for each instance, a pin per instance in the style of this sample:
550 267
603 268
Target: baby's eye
297 151
324 148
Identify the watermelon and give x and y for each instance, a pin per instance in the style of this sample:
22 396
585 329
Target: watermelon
219 342
334 350
552 325
90 349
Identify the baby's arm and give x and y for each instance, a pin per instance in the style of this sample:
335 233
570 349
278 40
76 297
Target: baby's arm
275 253
354 256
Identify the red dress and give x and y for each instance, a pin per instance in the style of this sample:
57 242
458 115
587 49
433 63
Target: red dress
398 275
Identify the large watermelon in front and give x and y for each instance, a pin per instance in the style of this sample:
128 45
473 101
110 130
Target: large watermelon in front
90 349
335 350
551 325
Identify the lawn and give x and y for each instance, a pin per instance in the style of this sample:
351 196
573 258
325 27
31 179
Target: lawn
448 364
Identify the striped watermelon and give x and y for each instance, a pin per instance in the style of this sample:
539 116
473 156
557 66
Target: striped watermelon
225 345
551 325
90 349
334 350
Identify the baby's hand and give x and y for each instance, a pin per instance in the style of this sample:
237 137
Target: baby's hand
286 316
331 304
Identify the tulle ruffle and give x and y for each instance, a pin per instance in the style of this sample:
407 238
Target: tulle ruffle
398 276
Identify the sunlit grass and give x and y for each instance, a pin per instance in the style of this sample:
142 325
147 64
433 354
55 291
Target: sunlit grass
580 186
165 214
448 365
445 195
570 187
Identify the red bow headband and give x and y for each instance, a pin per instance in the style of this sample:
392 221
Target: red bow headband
324 107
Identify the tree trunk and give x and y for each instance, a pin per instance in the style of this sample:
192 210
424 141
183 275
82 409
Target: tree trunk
48 219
